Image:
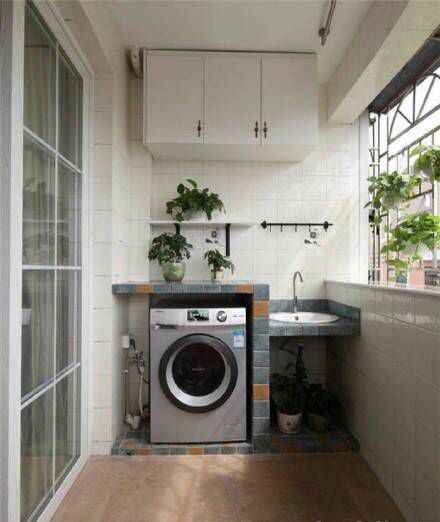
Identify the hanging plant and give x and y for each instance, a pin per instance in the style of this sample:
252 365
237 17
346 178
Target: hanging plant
413 237
390 190
428 161
193 201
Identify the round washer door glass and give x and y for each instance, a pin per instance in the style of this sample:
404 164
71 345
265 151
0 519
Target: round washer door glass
198 373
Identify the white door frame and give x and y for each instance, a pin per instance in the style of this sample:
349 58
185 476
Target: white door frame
11 180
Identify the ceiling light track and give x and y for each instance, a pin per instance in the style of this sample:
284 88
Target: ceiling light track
325 31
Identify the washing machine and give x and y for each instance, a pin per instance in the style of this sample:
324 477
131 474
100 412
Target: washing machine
198 374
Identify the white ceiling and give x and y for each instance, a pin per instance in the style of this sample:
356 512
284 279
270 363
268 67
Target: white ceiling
241 25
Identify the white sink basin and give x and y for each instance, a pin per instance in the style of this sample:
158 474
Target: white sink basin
304 317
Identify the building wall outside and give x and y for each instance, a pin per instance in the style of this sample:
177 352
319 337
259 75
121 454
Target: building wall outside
389 382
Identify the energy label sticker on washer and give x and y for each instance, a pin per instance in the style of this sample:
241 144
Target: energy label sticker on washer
238 338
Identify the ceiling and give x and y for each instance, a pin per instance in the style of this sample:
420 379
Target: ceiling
241 25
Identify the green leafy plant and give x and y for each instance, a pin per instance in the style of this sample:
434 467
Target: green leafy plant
322 402
170 248
428 160
193 199
411 234
389 190
217 261
288 392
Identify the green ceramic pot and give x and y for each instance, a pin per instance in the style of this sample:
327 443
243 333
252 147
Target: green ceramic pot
173 272
319 423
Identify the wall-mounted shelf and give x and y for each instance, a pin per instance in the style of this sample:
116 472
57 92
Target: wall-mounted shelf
226 224
202 223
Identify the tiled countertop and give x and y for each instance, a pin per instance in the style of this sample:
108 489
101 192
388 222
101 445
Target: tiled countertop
343 326
260 291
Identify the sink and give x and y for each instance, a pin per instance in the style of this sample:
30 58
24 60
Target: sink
304 317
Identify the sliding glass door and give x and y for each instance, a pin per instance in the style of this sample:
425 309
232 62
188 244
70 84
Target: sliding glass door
52 267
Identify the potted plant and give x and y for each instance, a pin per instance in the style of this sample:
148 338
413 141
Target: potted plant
171 250
194 203
389 190
288 393
428 161
218 263
414 237
322 406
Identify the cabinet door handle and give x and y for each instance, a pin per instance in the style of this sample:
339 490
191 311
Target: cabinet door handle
265 129
256 129
199 129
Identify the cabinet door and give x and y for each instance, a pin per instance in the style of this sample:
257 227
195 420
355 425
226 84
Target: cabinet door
232 100
289 100
174 99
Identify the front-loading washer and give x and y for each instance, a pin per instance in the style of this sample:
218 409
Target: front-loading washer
197 374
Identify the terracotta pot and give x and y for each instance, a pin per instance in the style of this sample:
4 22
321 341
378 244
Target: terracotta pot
173 272
289 424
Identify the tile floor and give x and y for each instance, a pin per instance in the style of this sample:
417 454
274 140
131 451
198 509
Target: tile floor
338 487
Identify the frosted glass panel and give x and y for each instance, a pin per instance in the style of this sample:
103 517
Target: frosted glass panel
39 79
36 454
37 343
38 205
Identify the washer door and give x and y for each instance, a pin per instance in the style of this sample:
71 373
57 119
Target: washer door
198 373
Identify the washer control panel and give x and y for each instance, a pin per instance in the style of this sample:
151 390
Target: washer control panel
175 317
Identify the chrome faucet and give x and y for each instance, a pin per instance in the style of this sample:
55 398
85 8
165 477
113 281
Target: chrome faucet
295 298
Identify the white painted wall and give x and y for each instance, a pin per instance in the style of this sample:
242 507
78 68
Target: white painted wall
389 382
323 187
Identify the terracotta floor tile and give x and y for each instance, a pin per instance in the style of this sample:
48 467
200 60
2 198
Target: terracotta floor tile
228 488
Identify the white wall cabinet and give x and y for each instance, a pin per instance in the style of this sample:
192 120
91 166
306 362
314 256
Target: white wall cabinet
230 106
232 100
174 99
289 100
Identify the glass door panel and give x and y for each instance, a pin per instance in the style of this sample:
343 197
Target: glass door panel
69 216
67 429
38 205
68 318
37 344
36 454
52 272
39 78
69 111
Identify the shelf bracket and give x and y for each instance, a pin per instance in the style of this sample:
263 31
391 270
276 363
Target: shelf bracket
177 227
228 239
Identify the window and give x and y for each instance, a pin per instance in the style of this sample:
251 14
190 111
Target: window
52 266
412 119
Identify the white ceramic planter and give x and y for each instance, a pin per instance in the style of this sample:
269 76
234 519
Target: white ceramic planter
216 276
289 424
195 215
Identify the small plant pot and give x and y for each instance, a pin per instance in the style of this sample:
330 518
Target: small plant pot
389 202
319 423
173 272
289 424
195 215
216 276
422 250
